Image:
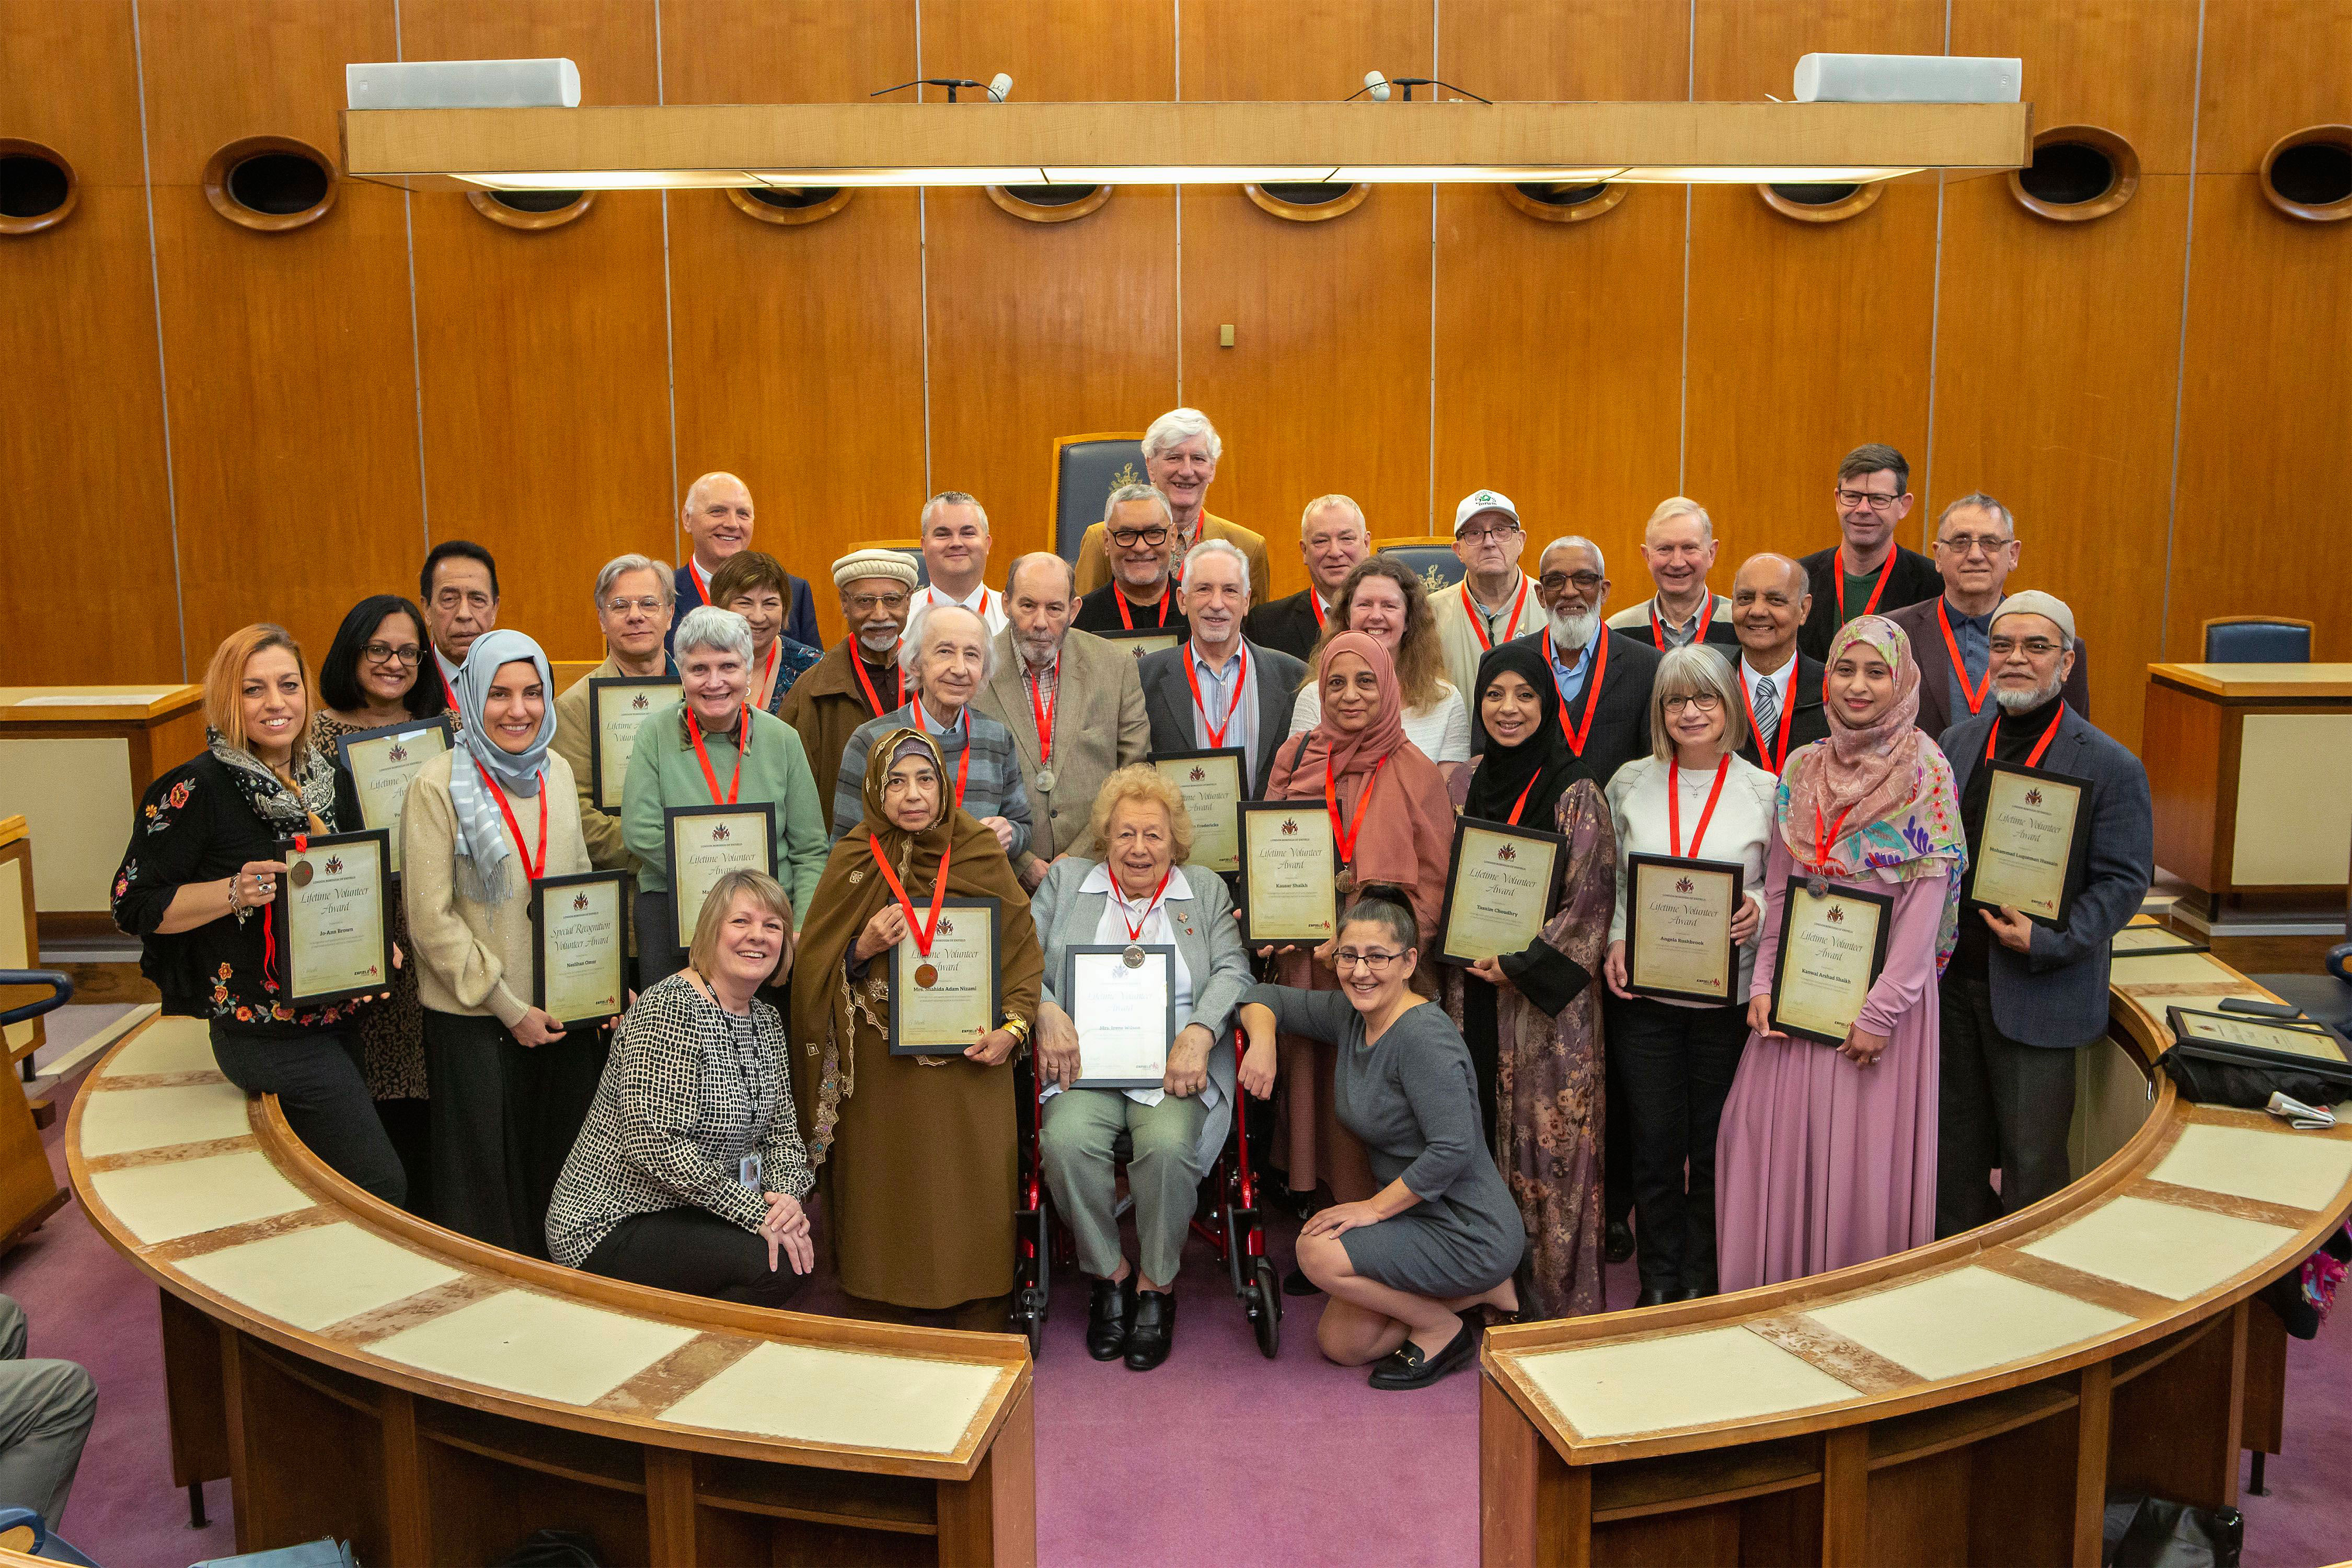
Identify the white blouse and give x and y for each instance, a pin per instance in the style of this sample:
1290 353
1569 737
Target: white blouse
1740 831
1442 730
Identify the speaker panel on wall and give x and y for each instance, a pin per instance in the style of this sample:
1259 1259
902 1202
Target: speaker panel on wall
2079 172
1318 202
789 205
1563 201
38 187
532 211
270 184
1049 203
1818 202
2307 174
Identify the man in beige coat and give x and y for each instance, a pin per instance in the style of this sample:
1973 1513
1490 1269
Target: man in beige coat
1088 691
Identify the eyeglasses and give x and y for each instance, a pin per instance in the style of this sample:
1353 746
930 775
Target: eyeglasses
866 603
1704 701
1486 535
1851 499
1378 962
2035 648
407 657
1553 582
650 605
1966 544
1128 538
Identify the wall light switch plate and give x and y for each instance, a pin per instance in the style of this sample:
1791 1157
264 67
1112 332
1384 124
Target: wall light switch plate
1225 336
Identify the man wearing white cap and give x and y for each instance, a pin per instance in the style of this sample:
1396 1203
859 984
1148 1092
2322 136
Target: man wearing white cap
2027 985
1494 601
1678 547
858 679
1975 553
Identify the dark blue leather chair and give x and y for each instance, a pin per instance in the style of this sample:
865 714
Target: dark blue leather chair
1429 555
2257 639
1086 469
910 548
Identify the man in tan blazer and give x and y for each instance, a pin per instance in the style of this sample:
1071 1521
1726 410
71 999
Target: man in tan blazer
1179 457
1087 689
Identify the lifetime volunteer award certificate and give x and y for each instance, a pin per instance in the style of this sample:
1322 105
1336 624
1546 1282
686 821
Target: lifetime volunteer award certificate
1213 784
706 842
617 705
1498 892
1290 873
1832 946
1678 914
946 999
382 761
581 944
333 916
1143 640
1122 1001
2036 826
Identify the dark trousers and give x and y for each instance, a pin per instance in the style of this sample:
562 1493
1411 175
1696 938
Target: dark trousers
504 1119
1617 1179
1674 1066
657 960
695 1252
319 1085
2003 1103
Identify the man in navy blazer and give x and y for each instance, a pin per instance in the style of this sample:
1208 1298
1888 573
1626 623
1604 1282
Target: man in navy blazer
717 519
2019 997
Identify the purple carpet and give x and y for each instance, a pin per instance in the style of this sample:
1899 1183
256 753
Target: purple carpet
1218 1454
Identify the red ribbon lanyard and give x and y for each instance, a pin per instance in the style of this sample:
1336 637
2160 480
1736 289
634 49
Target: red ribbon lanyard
1119 596
1658 630
1346 832
1675 805
1788 714
923 933
1217 729
694 581
269 922
1520 803
1315 602
1478 622
2035 759
1044 711
448 691
1135 927
963 763
1576 737
768 672
1825 837
515 827
872 697
1837 564
1976 695
710 776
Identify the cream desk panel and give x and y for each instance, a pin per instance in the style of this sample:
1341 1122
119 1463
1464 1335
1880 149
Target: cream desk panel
1966 1320
2160 1247
319 1275
166 1045
1685 1380
2250 1163
76 795
164 1202
2295 800
533 1344
841 1398
123 1121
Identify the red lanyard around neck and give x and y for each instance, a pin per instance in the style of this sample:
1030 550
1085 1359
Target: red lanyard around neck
923 933
533 870
1787 716
1974 694
2035 759
1698 632
1217 728
767 671
1043 713
1127 618
1825 836
1344 832
1576 737
1479 620
1315 602
710 774
1837 564
963 763
872 697
1135 927
1675 805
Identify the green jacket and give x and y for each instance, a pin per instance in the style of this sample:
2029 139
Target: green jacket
664 772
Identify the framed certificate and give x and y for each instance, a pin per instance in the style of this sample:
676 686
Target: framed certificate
1145 641
1290 873
1123 1003
334 916
944 1000
1832 949
580 946
1678 915
1213 785
2150 942
706 842
2275 1041
617 704
1498 890
2037 827
382 761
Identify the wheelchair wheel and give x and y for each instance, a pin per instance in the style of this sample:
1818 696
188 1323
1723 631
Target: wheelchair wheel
1029 1317
1264 1304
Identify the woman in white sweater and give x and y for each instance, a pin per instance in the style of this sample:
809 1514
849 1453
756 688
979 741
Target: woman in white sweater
1391 604
1672 1058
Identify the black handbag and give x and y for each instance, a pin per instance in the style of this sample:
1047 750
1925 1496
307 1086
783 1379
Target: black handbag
2156 1532
568 1549
2217 1075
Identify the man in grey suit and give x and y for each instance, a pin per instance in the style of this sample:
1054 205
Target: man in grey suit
1086 690
1244 692
2019 997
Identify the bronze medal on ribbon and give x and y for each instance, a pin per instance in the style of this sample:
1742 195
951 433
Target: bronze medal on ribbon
1045 780
927 975
301 874
1132 957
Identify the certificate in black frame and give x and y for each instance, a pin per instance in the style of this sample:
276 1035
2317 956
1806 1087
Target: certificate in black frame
1463 827
1635 866
597 686
2171 943
2077 846
681 929
1219 756
345 742
282 911
1142 642
1162 953
948 909
1883 902
1253 934
540 891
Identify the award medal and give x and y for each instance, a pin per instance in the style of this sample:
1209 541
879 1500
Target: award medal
1674 806
515 827
926 976
874 699
2035 759
1043 711
1216 730
1583 731
963 761
1118 597
301 874
1837 565
1133 956
710 774
1477 621
1344 834
1974 694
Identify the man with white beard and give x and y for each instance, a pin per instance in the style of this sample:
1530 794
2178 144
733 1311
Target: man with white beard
1603 677
858 679
2025 991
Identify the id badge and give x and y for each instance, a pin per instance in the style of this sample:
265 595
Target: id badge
747 1170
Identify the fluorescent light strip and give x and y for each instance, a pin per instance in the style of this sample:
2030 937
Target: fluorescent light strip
1198 174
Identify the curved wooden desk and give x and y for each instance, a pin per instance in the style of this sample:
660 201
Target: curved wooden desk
1973 1401
357 1371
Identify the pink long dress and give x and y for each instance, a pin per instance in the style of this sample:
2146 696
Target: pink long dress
1821 1163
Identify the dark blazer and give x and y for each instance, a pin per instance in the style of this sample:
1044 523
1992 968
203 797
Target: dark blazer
2056 995
1809 721
800 626
1167 701
1937 713
1287 626
1913 579
1621 720
1099 612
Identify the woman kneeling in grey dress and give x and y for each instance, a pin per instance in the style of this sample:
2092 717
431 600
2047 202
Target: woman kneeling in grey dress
1442 1234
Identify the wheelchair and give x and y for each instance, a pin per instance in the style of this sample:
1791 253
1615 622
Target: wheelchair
1226 1217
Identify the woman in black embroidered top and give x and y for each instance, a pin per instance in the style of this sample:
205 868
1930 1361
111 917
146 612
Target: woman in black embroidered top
196 883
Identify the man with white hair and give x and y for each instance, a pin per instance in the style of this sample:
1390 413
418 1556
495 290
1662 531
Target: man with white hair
717 516
1678 547
1603 677
633 609
1333 537
859 678
1976 553
1219 690
1496 602
948 658
2026 988
954 529
1179 457
1073 703
1138 536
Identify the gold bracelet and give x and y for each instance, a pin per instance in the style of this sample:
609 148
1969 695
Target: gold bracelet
1019 1030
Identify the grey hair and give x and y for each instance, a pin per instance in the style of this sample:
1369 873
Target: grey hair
1983 502
1179 426
1219 547
708 626
1319 503
1600 561
912 645
1686 671
620 566
950 498
1126 493
1012 573
1674 507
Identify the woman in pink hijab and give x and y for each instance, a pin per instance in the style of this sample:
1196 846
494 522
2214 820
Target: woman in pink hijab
1827 1153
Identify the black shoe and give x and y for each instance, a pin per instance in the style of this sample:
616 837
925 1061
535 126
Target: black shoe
1618 1244
1694 1294
1111 1317
1654 1296
1300 1206
1295 1283
1153 1334
1407 1368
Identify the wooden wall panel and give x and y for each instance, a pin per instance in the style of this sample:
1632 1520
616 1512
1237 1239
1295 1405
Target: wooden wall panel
545 353
2271 67
1743 50
1052 328
2128 65
799 349
81 424
288 363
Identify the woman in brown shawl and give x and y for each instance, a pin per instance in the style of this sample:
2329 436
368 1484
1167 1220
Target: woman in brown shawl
918 1152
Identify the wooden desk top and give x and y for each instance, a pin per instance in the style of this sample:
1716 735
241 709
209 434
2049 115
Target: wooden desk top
12 828
2200 1208
212 1195
100 704
2241 682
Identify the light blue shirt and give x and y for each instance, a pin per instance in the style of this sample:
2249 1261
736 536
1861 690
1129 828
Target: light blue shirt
1218 685
1570 676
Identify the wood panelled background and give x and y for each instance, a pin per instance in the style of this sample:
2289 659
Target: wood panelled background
200 426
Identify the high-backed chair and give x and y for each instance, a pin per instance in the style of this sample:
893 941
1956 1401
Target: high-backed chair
2257 639
1430 556
1086 469
912 548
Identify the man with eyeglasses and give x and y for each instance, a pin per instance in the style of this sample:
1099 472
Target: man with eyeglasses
634 596
2023 993
459 589
1869 573
1180 451
1139 543
1975 553
1678 547
1333 537
1496 602
858 679
718 517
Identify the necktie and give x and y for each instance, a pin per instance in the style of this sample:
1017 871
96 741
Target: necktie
1768 709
